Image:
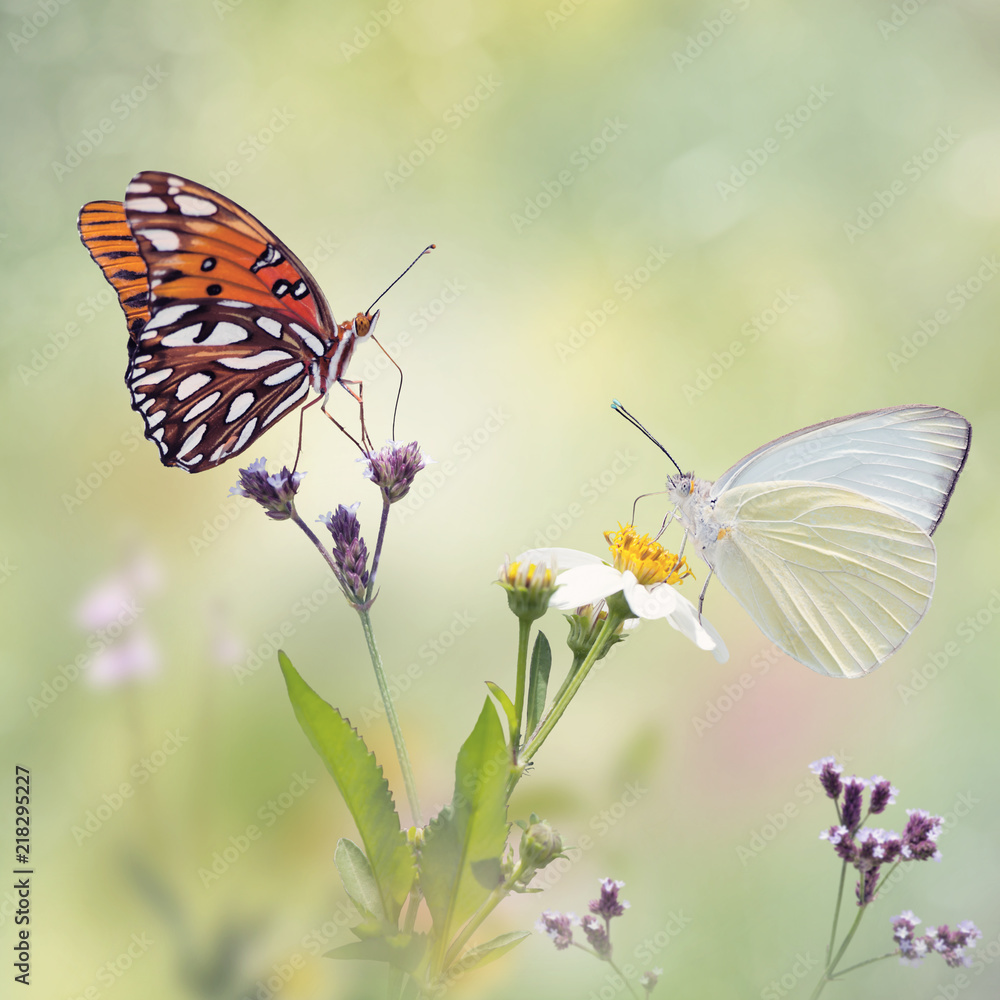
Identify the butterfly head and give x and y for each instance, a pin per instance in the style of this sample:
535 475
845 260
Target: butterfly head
364 325
681 486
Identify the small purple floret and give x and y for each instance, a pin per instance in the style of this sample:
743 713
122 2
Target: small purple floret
394 468
609 905
275 493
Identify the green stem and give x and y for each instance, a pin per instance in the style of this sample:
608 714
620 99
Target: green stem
523 635
868 961
831 968
602 958
378 548
836 911
486 908
614 619
577 660
390 712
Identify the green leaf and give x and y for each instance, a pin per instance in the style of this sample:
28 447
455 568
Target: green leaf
468 836
538 681
483 954
404 951
366 793
359 882
505 703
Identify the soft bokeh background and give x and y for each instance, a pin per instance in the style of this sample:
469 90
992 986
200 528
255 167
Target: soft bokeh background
619 192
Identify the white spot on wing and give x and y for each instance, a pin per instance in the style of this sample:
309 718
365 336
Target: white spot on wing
157 418
190 204
285 374
152 204
206 404
268 325
163 240
310 340
223 333
235 304
183 337
175 181
291 401
191 441
169 315
160 376
245 434
254 361
239 406
138 187
191 461
192 384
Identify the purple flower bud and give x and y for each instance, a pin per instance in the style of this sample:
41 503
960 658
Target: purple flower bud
920 835
597 934
865 889
349 552
883 794
274 493
843 843
853 797
648 980
558 926
608 905
829 772
394 468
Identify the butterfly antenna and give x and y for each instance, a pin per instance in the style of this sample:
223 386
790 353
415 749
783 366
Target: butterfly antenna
642 496
399 391
615 405
433 246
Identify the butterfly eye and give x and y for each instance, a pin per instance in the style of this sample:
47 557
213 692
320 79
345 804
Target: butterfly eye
364 325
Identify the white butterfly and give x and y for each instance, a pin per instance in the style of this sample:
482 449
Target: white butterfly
824 535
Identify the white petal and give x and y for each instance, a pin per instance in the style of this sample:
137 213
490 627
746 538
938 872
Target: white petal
656 601
564 558
585 585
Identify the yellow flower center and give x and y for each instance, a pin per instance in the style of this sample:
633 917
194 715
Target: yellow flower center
648 560
517 575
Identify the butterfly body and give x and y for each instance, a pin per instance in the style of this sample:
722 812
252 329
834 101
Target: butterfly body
228 331
824 535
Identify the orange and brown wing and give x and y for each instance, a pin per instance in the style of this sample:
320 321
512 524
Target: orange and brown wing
106 234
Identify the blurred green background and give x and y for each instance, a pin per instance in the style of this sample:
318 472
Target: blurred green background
619 193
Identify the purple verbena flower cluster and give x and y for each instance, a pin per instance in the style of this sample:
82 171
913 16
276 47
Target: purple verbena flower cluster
596 926
275 493
350 555
867 848
950 944
394 468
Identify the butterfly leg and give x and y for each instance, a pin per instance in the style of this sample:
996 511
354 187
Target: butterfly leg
302 414
343 430
666 524
359 398
701 598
